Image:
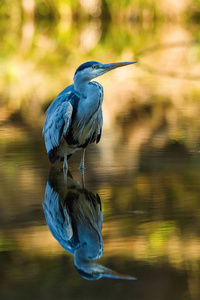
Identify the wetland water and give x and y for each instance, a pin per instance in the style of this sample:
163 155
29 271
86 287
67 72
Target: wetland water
145 169
150 223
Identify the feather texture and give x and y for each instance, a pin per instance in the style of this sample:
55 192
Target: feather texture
57 124
58 220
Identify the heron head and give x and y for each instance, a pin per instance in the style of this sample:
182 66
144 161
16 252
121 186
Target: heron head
92 69
94 271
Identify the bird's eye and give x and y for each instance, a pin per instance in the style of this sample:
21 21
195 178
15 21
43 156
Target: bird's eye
94 67
94 273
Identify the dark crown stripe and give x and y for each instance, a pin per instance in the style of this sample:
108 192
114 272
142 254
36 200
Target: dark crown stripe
85 275
86 65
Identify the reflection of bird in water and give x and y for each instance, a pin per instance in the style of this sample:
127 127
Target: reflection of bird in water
74 119
74 217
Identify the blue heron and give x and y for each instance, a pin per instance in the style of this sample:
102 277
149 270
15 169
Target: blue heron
74 119
74 217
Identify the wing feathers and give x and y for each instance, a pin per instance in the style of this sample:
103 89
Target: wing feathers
59 224
57 123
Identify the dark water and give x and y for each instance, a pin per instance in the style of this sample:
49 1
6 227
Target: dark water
151 221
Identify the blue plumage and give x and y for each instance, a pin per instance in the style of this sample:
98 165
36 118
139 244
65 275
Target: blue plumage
74 119
74 217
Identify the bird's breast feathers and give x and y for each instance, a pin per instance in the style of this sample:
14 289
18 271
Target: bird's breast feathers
87 122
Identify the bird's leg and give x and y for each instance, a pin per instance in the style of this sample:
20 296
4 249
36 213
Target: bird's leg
83 180
65 169
65 164
82 168
82 162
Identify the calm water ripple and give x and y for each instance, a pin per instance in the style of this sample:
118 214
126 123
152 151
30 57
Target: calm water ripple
150 230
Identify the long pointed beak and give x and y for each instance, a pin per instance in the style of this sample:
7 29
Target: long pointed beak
109 67
112 274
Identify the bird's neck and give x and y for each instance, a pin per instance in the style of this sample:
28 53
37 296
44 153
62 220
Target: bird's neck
90 248
81 256
82 260
81 85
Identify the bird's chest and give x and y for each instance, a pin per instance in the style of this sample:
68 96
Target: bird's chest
87 125
87 118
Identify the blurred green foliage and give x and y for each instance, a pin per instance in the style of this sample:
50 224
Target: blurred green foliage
39 38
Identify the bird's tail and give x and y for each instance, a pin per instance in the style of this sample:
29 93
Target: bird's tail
52 156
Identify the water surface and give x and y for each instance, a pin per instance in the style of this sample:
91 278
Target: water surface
150 229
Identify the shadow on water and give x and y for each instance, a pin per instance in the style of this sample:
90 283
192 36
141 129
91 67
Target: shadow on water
74 217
